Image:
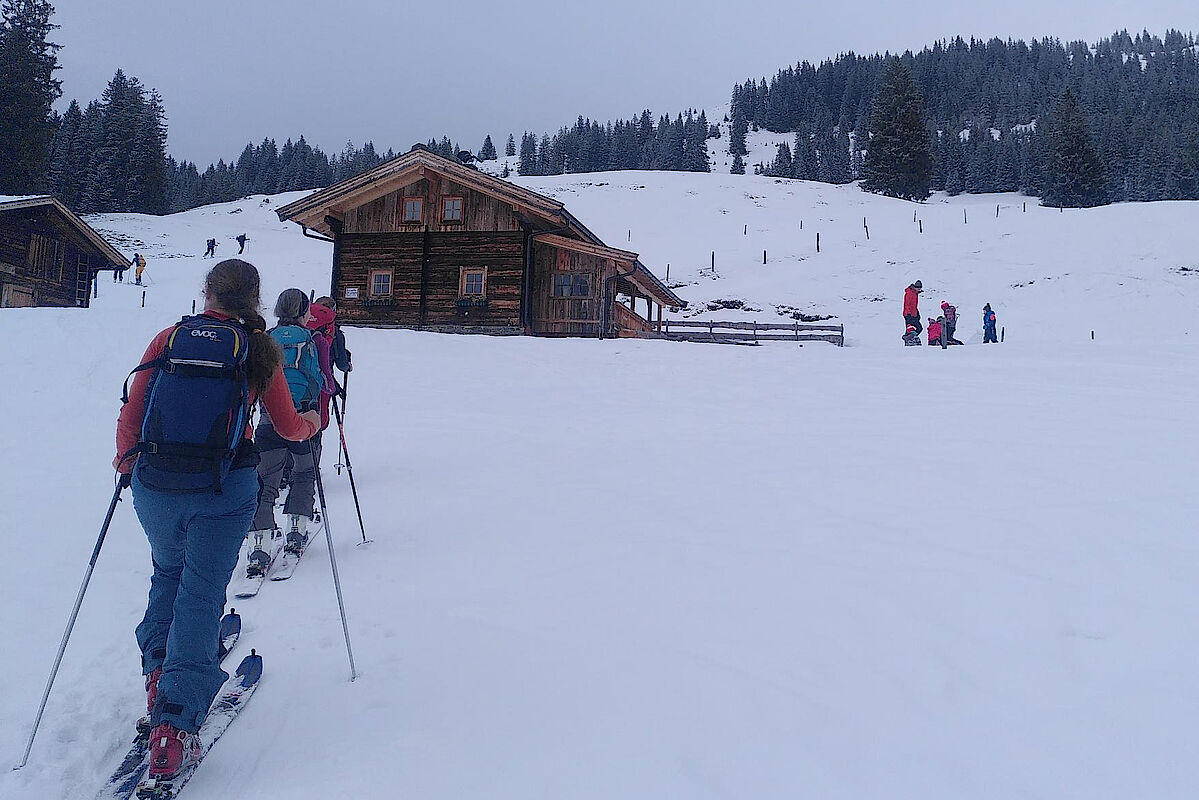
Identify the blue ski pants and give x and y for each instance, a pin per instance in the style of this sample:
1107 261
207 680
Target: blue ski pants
194 542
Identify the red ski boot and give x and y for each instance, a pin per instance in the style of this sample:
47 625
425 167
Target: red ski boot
172 751
143 724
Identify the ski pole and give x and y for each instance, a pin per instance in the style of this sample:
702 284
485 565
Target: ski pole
62 647
341 606
341 431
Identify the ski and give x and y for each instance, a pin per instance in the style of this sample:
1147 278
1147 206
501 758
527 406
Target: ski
293 552
253 571
125 778
228 704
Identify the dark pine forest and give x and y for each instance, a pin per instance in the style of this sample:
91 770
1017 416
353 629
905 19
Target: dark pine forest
987 107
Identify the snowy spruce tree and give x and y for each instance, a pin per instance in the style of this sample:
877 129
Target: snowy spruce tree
510 149
899 159
28 90
1073 171
487 151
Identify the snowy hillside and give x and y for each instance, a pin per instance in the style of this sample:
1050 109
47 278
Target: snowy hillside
652 569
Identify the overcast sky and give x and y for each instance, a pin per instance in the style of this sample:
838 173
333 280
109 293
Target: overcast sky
397 72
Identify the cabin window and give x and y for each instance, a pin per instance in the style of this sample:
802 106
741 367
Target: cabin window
381 283
472 283
451 209
572 284
413 209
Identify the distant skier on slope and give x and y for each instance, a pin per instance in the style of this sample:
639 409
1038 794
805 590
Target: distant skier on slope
989 321
139 263
241 242
210 252
951 322
195 495
301 366
911 304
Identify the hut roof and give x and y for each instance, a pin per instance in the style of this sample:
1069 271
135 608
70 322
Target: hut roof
391 175
106 250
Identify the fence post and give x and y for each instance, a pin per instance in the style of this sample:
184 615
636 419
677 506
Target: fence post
763 256
744 230
922 226
997 210
713 259
143 298
963 216
193 306
755 330
817 241
867 234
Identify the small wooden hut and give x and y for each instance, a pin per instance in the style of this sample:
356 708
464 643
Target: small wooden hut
48 255
425 242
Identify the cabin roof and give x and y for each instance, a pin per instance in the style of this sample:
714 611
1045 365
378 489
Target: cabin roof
12 203
310 211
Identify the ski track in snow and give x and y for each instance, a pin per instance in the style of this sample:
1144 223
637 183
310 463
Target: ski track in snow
653 569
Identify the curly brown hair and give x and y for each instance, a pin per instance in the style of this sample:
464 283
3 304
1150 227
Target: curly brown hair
233 286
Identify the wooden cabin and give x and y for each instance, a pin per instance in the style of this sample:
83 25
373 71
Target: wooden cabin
48 255
425 242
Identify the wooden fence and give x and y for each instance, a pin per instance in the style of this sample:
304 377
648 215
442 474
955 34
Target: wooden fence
713 331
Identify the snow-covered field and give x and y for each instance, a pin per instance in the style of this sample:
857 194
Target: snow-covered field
650 569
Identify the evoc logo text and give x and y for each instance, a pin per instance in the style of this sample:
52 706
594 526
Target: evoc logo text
207 334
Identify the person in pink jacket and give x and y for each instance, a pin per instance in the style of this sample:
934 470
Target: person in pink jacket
321 326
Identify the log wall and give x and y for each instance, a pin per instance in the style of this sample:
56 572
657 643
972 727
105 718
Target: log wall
426 271
41 254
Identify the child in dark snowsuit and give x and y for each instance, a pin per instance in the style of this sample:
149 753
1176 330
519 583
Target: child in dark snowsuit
989 325
934 330
211 251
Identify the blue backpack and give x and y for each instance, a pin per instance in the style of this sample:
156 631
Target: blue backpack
197 405
301 365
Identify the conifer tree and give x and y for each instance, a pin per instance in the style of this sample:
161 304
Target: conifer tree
899 159
28 90
487 151
1073 171
738 167
510 150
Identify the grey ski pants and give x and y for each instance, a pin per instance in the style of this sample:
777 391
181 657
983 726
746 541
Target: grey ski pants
274 452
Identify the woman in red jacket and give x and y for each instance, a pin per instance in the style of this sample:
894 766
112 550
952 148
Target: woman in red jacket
195 533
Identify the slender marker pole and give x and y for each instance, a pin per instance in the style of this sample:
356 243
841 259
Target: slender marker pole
62 647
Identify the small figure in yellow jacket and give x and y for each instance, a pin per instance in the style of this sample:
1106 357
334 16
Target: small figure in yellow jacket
139 261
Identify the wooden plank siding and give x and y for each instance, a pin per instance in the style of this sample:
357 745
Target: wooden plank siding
42 255
566 316
481 212
403 255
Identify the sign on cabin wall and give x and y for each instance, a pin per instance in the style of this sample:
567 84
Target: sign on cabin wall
351 293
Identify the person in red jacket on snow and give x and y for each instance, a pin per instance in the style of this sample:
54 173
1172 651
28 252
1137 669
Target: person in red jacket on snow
911 305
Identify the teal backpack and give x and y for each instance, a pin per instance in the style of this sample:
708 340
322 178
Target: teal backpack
301 366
